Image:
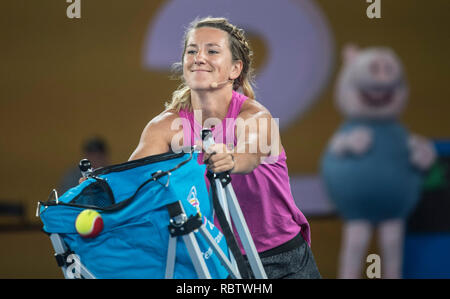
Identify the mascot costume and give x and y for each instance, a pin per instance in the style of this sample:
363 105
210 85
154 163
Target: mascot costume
373 167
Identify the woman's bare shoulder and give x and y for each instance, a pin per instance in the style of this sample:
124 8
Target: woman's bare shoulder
252 107
163 126
156 136
163 120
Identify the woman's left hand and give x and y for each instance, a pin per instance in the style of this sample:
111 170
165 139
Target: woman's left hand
218 158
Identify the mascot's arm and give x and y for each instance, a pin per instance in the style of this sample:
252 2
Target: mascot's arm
356 141
422 152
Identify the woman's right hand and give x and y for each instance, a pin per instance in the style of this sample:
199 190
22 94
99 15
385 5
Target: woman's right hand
82 179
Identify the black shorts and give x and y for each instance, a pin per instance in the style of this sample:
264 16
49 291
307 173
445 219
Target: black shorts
296 262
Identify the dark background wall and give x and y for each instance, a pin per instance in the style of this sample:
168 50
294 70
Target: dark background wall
64 79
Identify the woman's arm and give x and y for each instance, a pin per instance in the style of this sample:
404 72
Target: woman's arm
156 137
257 136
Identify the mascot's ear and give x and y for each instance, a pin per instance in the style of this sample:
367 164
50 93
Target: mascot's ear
349 52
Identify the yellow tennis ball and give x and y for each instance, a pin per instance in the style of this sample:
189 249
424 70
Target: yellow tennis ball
89 223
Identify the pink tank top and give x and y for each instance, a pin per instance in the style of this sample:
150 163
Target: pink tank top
264 194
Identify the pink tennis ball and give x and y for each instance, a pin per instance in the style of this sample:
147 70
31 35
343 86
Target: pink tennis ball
89 223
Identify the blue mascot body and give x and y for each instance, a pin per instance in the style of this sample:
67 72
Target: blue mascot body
380 185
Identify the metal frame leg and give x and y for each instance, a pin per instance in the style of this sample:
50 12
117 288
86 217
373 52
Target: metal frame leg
220 254
244 233
196 256
61 248
171 253
222 197
178 219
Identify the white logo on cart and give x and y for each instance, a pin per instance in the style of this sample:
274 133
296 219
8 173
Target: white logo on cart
211 225
208 253
73 270
193 200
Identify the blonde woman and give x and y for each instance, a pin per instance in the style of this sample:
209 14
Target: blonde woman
216 65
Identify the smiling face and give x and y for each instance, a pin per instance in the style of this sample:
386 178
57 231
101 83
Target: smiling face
372 85
207 58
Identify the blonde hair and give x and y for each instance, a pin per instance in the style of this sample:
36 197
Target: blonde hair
240 50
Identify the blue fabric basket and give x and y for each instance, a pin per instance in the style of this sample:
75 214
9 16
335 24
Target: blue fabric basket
132 203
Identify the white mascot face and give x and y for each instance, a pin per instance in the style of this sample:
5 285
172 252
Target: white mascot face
371 84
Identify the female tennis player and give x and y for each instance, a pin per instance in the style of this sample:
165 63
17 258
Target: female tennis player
216 92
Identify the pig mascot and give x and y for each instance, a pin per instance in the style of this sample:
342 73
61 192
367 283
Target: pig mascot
373 167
